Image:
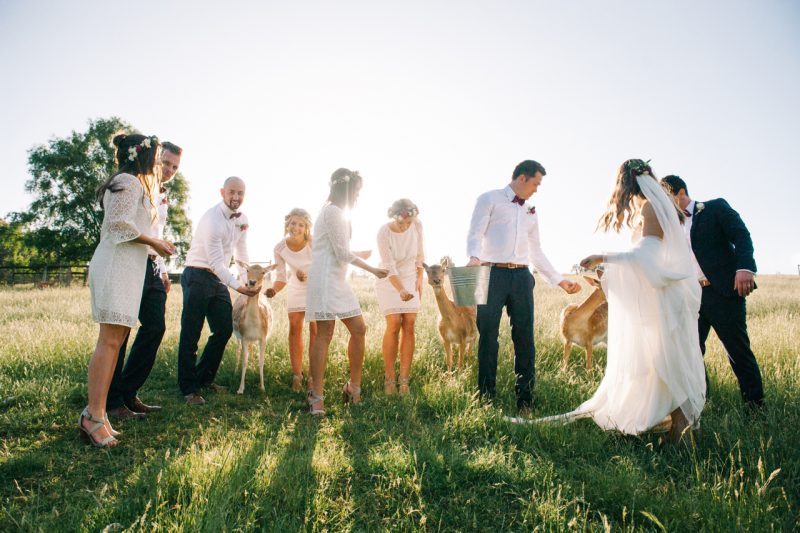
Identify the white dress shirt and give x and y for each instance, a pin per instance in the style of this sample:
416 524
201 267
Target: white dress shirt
216 240
505 232
158 232
687 227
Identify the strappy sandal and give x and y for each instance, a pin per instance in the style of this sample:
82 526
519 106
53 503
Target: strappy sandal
389 386
114 432
404 386
351 393
297 382
87 434
313 399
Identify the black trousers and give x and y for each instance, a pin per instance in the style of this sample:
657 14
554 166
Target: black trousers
512 289
204 297
728 317
130 377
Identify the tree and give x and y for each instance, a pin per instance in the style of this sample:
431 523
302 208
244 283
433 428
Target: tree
64 219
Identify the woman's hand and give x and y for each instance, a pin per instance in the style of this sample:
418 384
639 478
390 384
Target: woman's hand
405 295
591 261
379 273
300 275
363 254
270 292
162 247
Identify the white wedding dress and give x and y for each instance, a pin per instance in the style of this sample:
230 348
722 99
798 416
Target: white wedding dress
654 364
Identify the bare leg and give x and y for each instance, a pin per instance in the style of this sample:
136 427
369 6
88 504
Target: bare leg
101 370
296 341
318 357
390 343
407 342
355 350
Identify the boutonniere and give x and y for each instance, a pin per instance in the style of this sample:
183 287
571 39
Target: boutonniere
532 210
699 206
243 227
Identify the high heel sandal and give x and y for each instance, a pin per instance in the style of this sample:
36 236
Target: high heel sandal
114 432
389 386
351 393
87 434
313 399
297 382
404 386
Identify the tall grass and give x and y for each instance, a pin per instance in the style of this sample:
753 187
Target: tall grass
436 460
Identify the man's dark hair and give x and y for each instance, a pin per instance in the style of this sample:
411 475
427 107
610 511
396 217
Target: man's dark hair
174 148
528 168
674 183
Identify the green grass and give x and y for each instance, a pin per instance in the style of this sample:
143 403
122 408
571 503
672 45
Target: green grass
436 460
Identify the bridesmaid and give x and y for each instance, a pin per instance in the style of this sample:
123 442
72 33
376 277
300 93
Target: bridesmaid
117 269
399 295
294 251
329 295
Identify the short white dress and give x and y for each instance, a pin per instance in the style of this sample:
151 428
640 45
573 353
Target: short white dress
296 290
401 254
117 268
329 295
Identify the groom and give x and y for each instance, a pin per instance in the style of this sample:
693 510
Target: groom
723 252
504 233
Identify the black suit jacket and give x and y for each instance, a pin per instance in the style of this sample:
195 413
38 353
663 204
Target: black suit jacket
721 244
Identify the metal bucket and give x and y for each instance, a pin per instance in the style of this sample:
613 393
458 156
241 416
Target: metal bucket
470 285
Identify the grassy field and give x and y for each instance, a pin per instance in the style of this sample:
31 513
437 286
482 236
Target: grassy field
436 460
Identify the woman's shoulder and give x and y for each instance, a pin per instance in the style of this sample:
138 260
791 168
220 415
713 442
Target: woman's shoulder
125 180
281 246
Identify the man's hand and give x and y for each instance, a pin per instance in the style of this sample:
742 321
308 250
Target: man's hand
248 291
474 261
167 282
744 283
570 287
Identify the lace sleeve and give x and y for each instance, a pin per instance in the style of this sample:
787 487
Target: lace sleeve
420 245
339 233
385 250
280 262
121 208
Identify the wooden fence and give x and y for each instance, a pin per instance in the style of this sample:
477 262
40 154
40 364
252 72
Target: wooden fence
42 276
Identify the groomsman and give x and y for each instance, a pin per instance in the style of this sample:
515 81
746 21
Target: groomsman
220 235
504 233
723 252
123 395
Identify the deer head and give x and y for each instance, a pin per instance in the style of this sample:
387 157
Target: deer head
436 273
256 274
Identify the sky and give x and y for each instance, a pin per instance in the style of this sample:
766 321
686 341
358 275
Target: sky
434 101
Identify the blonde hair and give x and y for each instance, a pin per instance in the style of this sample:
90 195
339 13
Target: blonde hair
301 213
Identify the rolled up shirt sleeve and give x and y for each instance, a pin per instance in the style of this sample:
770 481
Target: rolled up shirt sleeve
216 256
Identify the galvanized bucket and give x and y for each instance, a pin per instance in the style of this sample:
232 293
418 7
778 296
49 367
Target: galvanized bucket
470 285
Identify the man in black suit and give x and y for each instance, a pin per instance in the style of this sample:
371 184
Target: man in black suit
723 251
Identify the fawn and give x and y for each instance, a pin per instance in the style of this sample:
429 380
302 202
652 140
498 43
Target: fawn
252 320
585 324
456 323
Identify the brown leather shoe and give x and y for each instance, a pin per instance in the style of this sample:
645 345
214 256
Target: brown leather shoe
123 413
138 406
213 387
194 399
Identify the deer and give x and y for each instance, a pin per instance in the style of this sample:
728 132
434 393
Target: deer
457 324
586 323
252 320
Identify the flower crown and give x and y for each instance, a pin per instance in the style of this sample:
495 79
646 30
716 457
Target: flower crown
341 179
638 168
134 151
406 213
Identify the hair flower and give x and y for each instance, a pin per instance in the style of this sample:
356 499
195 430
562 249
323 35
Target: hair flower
532 210
132 153
146 143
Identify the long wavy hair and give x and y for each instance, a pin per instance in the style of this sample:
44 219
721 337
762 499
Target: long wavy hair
143 166
302 214
620 209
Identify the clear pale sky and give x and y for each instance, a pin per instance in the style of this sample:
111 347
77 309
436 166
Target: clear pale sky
434 101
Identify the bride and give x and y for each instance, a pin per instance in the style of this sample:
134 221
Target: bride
654 371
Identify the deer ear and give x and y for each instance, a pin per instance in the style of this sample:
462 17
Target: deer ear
425 266
592 281
270 268
242 264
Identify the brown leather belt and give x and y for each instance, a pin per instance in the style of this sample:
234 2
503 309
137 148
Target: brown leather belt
705 283
508 265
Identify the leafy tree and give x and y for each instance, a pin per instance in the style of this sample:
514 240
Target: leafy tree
63 222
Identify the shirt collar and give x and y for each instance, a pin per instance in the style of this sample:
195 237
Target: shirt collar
226 210
509 192
690 207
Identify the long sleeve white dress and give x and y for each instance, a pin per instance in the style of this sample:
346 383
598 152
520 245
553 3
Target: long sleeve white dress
329 295
401 254
117 268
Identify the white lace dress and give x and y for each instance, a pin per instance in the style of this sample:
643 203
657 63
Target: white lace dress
654 364
296 290
401 254
117 269
329 295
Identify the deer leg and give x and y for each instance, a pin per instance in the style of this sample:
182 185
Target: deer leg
239 355
448 350
245 357
462 347
261 346
589 355
567 351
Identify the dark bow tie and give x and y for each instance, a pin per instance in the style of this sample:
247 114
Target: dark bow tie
687 213
236 215
518 200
